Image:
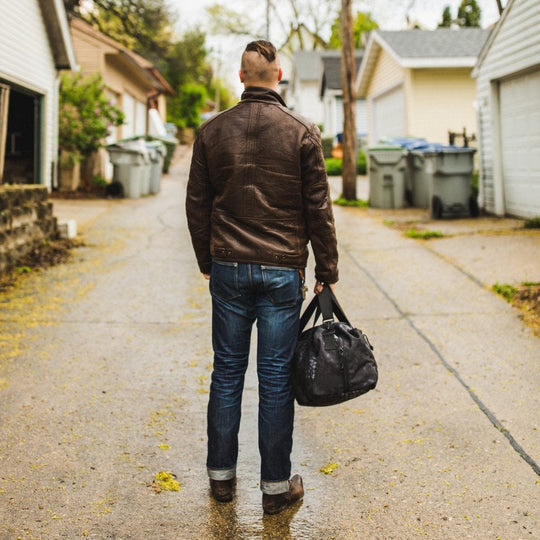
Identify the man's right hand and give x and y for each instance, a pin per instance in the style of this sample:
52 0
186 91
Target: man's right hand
319 287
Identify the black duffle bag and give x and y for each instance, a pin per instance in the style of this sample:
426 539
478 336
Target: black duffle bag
333 362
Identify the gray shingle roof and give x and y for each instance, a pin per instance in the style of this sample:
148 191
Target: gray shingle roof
332 69
440 43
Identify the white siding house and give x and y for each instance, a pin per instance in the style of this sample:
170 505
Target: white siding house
35 43
331 96
304 86
508 86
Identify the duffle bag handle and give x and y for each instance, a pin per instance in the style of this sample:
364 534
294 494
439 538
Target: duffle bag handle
324 303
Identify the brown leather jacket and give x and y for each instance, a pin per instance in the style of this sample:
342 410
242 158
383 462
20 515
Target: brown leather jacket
257 190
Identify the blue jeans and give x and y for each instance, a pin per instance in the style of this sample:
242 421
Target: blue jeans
241 295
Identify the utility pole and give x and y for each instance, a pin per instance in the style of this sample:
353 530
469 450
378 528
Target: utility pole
348 87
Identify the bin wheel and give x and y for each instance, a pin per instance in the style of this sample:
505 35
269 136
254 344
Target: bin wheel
473 206
436 207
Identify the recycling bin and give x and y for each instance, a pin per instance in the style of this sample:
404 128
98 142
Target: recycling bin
386 176
448 174
130 166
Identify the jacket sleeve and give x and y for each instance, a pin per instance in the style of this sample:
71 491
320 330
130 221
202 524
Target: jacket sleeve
199 197
318 208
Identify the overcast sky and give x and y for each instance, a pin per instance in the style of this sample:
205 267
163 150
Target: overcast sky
390 15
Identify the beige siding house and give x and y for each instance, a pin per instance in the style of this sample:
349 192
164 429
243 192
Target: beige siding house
35 43
417 83
135 85
508 79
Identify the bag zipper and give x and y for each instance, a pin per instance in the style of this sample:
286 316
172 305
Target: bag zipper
344 367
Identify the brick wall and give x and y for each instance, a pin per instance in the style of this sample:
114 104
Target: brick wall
26 220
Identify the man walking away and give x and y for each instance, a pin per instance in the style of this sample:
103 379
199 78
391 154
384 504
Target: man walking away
257 194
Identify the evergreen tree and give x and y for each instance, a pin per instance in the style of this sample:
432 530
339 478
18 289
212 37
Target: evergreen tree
446 18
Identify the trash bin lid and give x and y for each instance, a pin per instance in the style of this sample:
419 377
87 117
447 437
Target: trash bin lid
436 148
385 147
408 143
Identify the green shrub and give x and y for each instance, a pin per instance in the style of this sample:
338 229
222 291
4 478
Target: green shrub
361 163
334 166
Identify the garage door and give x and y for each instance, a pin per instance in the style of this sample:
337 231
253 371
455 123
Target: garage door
520 134
389 115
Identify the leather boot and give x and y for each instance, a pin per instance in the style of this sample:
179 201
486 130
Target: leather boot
222 490
274 504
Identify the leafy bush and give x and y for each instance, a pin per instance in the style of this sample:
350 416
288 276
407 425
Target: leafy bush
334 166
86 114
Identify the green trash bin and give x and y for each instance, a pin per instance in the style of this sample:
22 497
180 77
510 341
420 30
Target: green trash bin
386 176
129 168
448 175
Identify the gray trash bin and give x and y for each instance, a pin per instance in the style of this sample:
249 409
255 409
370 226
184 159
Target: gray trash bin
138 143
416 193
157 153
448 174
386 176
130 166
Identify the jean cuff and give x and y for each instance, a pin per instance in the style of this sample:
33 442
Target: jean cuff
274 488
221 474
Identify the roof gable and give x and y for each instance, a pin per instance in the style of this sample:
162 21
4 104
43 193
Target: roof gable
139 65
441 48
487 45
55 18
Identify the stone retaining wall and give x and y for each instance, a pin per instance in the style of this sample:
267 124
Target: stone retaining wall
26 220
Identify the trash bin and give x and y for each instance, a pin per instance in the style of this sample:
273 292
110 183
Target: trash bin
415 188
170 144
157 152
447 172
386 176
130 165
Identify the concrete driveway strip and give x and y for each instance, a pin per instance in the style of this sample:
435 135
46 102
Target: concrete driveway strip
104 374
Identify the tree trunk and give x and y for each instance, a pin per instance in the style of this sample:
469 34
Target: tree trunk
348 85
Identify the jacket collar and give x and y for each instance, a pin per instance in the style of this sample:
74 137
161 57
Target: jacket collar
260 93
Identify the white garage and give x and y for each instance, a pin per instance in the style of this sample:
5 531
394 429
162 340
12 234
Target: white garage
389 114
508 84
520 143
